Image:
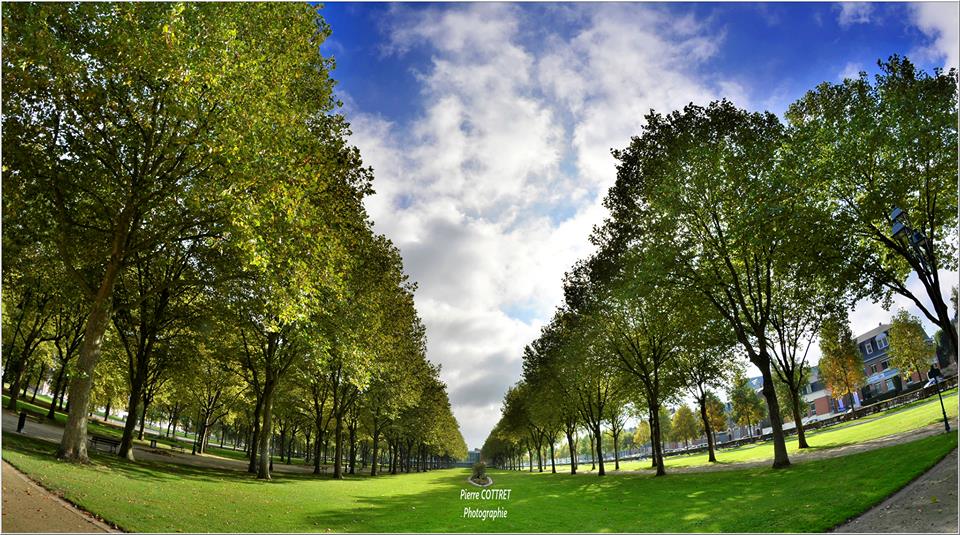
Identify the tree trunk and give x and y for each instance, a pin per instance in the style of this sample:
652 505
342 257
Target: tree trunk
706 427
266 432
573 452
616 450
553 459
255 436
338 448
780 458
143 419
63 394
376 448
36 387
133 410
598 435
593 453
16 383
353 448
73 443
317 444
106 410
656 441
51 414
798 420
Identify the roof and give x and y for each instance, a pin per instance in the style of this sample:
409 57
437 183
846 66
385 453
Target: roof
872 333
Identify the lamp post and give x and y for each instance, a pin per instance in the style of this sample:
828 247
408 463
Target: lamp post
935 374
919 251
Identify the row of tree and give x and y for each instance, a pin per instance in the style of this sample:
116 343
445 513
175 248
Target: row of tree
735 237
184 230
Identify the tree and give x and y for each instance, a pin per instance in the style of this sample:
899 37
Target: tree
716 413
705 365
841 366
684 425
701 191
642 433
747 407
910 351
876 146
127 124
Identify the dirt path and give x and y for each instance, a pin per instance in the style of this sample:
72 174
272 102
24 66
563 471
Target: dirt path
928 505
27 507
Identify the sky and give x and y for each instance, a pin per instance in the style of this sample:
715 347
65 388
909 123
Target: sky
489 127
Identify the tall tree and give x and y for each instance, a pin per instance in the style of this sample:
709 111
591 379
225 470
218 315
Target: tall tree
701 189
126 125
875 146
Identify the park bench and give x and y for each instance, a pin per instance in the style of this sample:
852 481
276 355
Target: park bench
112 443
176 445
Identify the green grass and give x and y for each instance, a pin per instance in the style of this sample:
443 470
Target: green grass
913 416
94 426
162 497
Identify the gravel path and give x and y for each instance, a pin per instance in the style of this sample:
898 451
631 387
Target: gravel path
27 507
928 505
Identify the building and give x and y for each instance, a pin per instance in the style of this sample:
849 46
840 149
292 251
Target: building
883 380
473 456
820 402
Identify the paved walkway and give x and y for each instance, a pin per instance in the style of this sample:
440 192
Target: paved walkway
29 508
928 505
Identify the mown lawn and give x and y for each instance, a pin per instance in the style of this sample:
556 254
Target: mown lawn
916 415
161 497
94 425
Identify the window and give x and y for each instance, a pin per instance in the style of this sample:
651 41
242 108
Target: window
873 368
889 385
868 347
813 409
882 342
884 365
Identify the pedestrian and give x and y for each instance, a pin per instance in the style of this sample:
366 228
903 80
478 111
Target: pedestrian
22 421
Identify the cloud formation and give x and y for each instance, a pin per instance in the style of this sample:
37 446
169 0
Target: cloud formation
854 13
939 21
491 189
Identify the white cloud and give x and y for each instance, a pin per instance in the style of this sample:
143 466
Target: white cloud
939 21
490 193
854 13
850 70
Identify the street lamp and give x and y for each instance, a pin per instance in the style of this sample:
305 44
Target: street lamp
902 232
935 374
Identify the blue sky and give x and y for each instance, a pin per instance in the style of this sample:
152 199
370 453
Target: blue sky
489 127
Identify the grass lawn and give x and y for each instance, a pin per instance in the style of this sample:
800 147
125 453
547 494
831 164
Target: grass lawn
162 497
915 415
94 426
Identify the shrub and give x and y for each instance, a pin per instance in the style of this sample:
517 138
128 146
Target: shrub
479 471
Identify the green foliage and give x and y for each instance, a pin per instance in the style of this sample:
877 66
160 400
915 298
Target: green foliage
910 351
872 145
748 409
684 426
841 366
479 471
716 413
